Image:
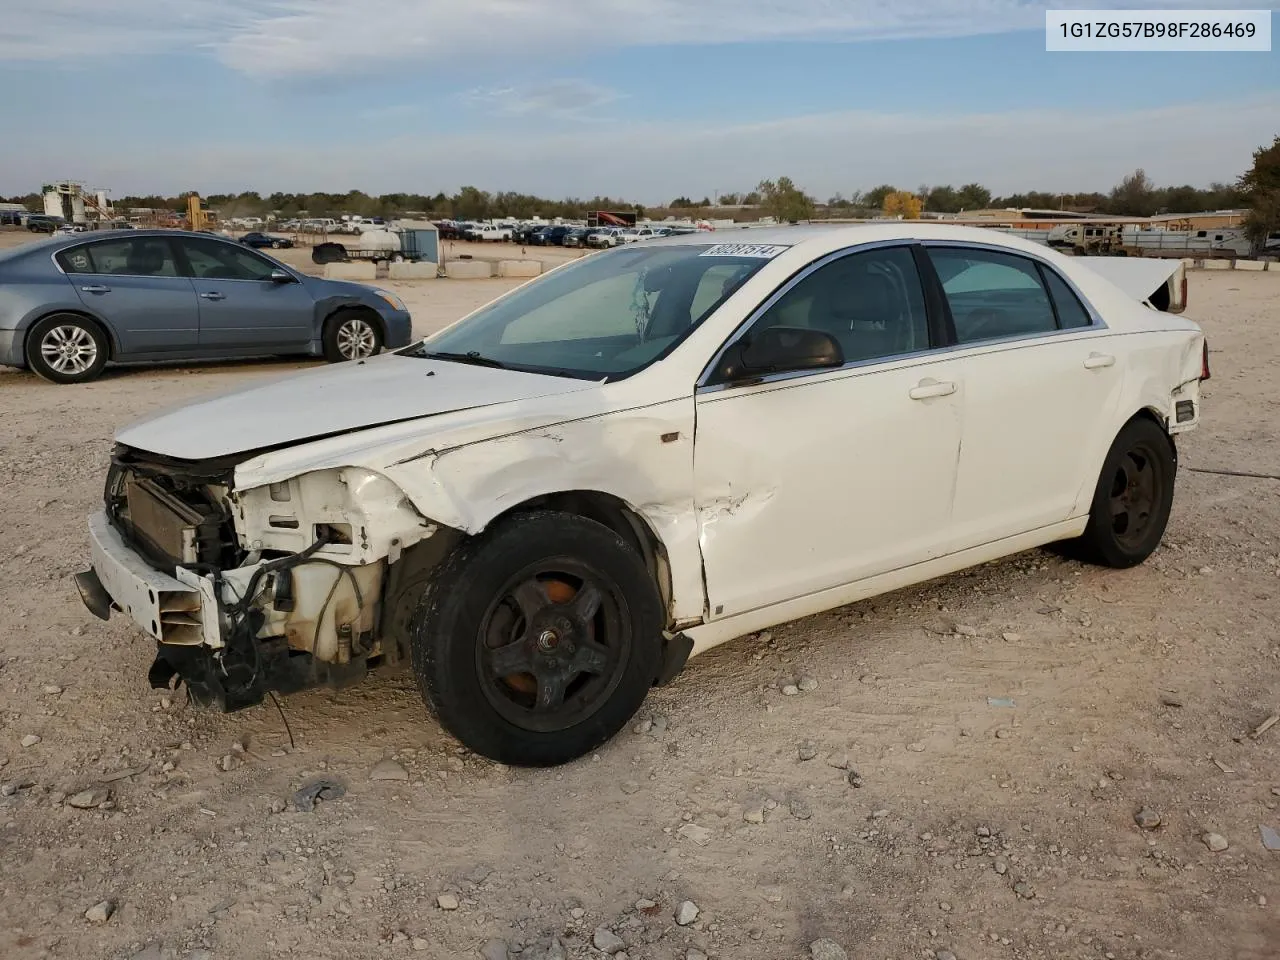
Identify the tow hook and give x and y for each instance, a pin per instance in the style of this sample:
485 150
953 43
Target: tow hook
94 594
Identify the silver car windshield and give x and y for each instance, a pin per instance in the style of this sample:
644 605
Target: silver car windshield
605 317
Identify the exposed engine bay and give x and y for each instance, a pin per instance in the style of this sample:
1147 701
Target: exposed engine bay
288 584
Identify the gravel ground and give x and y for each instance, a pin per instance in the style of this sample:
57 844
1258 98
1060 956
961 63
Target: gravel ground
887 809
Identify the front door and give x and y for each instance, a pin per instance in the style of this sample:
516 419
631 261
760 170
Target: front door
135 285
812 480
240 305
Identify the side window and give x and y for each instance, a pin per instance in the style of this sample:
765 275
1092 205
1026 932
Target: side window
214 260
1071 312
140 257
992 294
76 260
872 303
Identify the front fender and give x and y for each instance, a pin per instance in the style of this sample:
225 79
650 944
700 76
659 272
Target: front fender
642 457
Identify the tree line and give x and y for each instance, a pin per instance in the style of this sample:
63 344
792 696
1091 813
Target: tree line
1136 195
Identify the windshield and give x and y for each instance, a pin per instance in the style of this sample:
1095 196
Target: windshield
605 317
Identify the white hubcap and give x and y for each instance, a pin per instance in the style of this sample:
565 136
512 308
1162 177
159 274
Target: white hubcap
69 349
356 339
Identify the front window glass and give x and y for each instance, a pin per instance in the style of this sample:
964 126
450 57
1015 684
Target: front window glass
605 316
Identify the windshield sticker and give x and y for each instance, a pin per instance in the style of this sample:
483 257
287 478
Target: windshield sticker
765 251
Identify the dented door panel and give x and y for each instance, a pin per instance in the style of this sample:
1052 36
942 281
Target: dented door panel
807 484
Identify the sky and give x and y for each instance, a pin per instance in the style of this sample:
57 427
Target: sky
637 99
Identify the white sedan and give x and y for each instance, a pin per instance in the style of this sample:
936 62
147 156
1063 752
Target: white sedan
549 506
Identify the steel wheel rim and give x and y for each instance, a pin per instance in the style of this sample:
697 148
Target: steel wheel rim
1136 493
553 646
69 349
356 339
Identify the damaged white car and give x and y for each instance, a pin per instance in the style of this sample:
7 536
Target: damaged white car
549 506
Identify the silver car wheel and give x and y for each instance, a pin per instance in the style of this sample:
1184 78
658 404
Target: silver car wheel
356 339
69 349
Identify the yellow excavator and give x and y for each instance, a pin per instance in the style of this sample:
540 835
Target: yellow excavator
198 215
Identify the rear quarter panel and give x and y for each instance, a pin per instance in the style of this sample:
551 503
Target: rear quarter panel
1160 366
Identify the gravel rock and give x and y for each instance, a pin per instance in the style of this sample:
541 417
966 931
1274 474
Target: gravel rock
826 949
644 726
1023 889
30 740
807 684
1215 842
229 762
607 941
790 690
944 955
644 903
659 725
1001 867
1147 819
855 779
800 808
420 943
495 950
807 750
100 912
698 834
52 689
686 913
694 954
1010 637
88 799
447 901
388 770
967 631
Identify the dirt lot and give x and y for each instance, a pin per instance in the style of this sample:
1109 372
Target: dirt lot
974 829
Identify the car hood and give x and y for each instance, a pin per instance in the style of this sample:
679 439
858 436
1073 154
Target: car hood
334 400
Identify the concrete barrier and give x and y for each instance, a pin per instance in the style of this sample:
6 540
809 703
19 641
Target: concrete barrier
519 268
1251 265
423 270
360 270
468 269
1217 264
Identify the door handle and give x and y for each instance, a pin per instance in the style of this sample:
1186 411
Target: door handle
928 387
1096 361
96 288
214 296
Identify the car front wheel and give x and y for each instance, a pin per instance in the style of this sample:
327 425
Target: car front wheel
351 335
538 640
66 348
1134 496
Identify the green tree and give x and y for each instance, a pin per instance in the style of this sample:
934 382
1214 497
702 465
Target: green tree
1261 188
1135 195
973 196
784 201
874 198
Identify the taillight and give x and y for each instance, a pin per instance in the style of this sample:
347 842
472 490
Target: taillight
1204 360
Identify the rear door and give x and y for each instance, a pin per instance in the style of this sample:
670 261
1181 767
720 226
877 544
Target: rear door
135 285
1042 382
240 305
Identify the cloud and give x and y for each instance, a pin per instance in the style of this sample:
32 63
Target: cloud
1081 149
560 99
289 38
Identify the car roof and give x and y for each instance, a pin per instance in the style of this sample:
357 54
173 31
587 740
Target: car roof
835 236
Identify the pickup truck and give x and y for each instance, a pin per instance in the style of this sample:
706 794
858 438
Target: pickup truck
487 231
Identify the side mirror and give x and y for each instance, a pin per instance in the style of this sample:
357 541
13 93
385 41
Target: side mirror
281 276
780 350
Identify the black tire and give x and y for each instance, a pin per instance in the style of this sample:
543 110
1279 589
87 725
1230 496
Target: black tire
66 348
352 335
592 668
1134 496
276 244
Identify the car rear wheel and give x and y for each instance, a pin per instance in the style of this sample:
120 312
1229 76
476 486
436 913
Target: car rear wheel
537 641
276 244
66 348
351 335
1134 496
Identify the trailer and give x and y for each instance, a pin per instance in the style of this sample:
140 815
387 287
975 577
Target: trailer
398 245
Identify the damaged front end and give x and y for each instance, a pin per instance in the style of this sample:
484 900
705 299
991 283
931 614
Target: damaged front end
278 588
